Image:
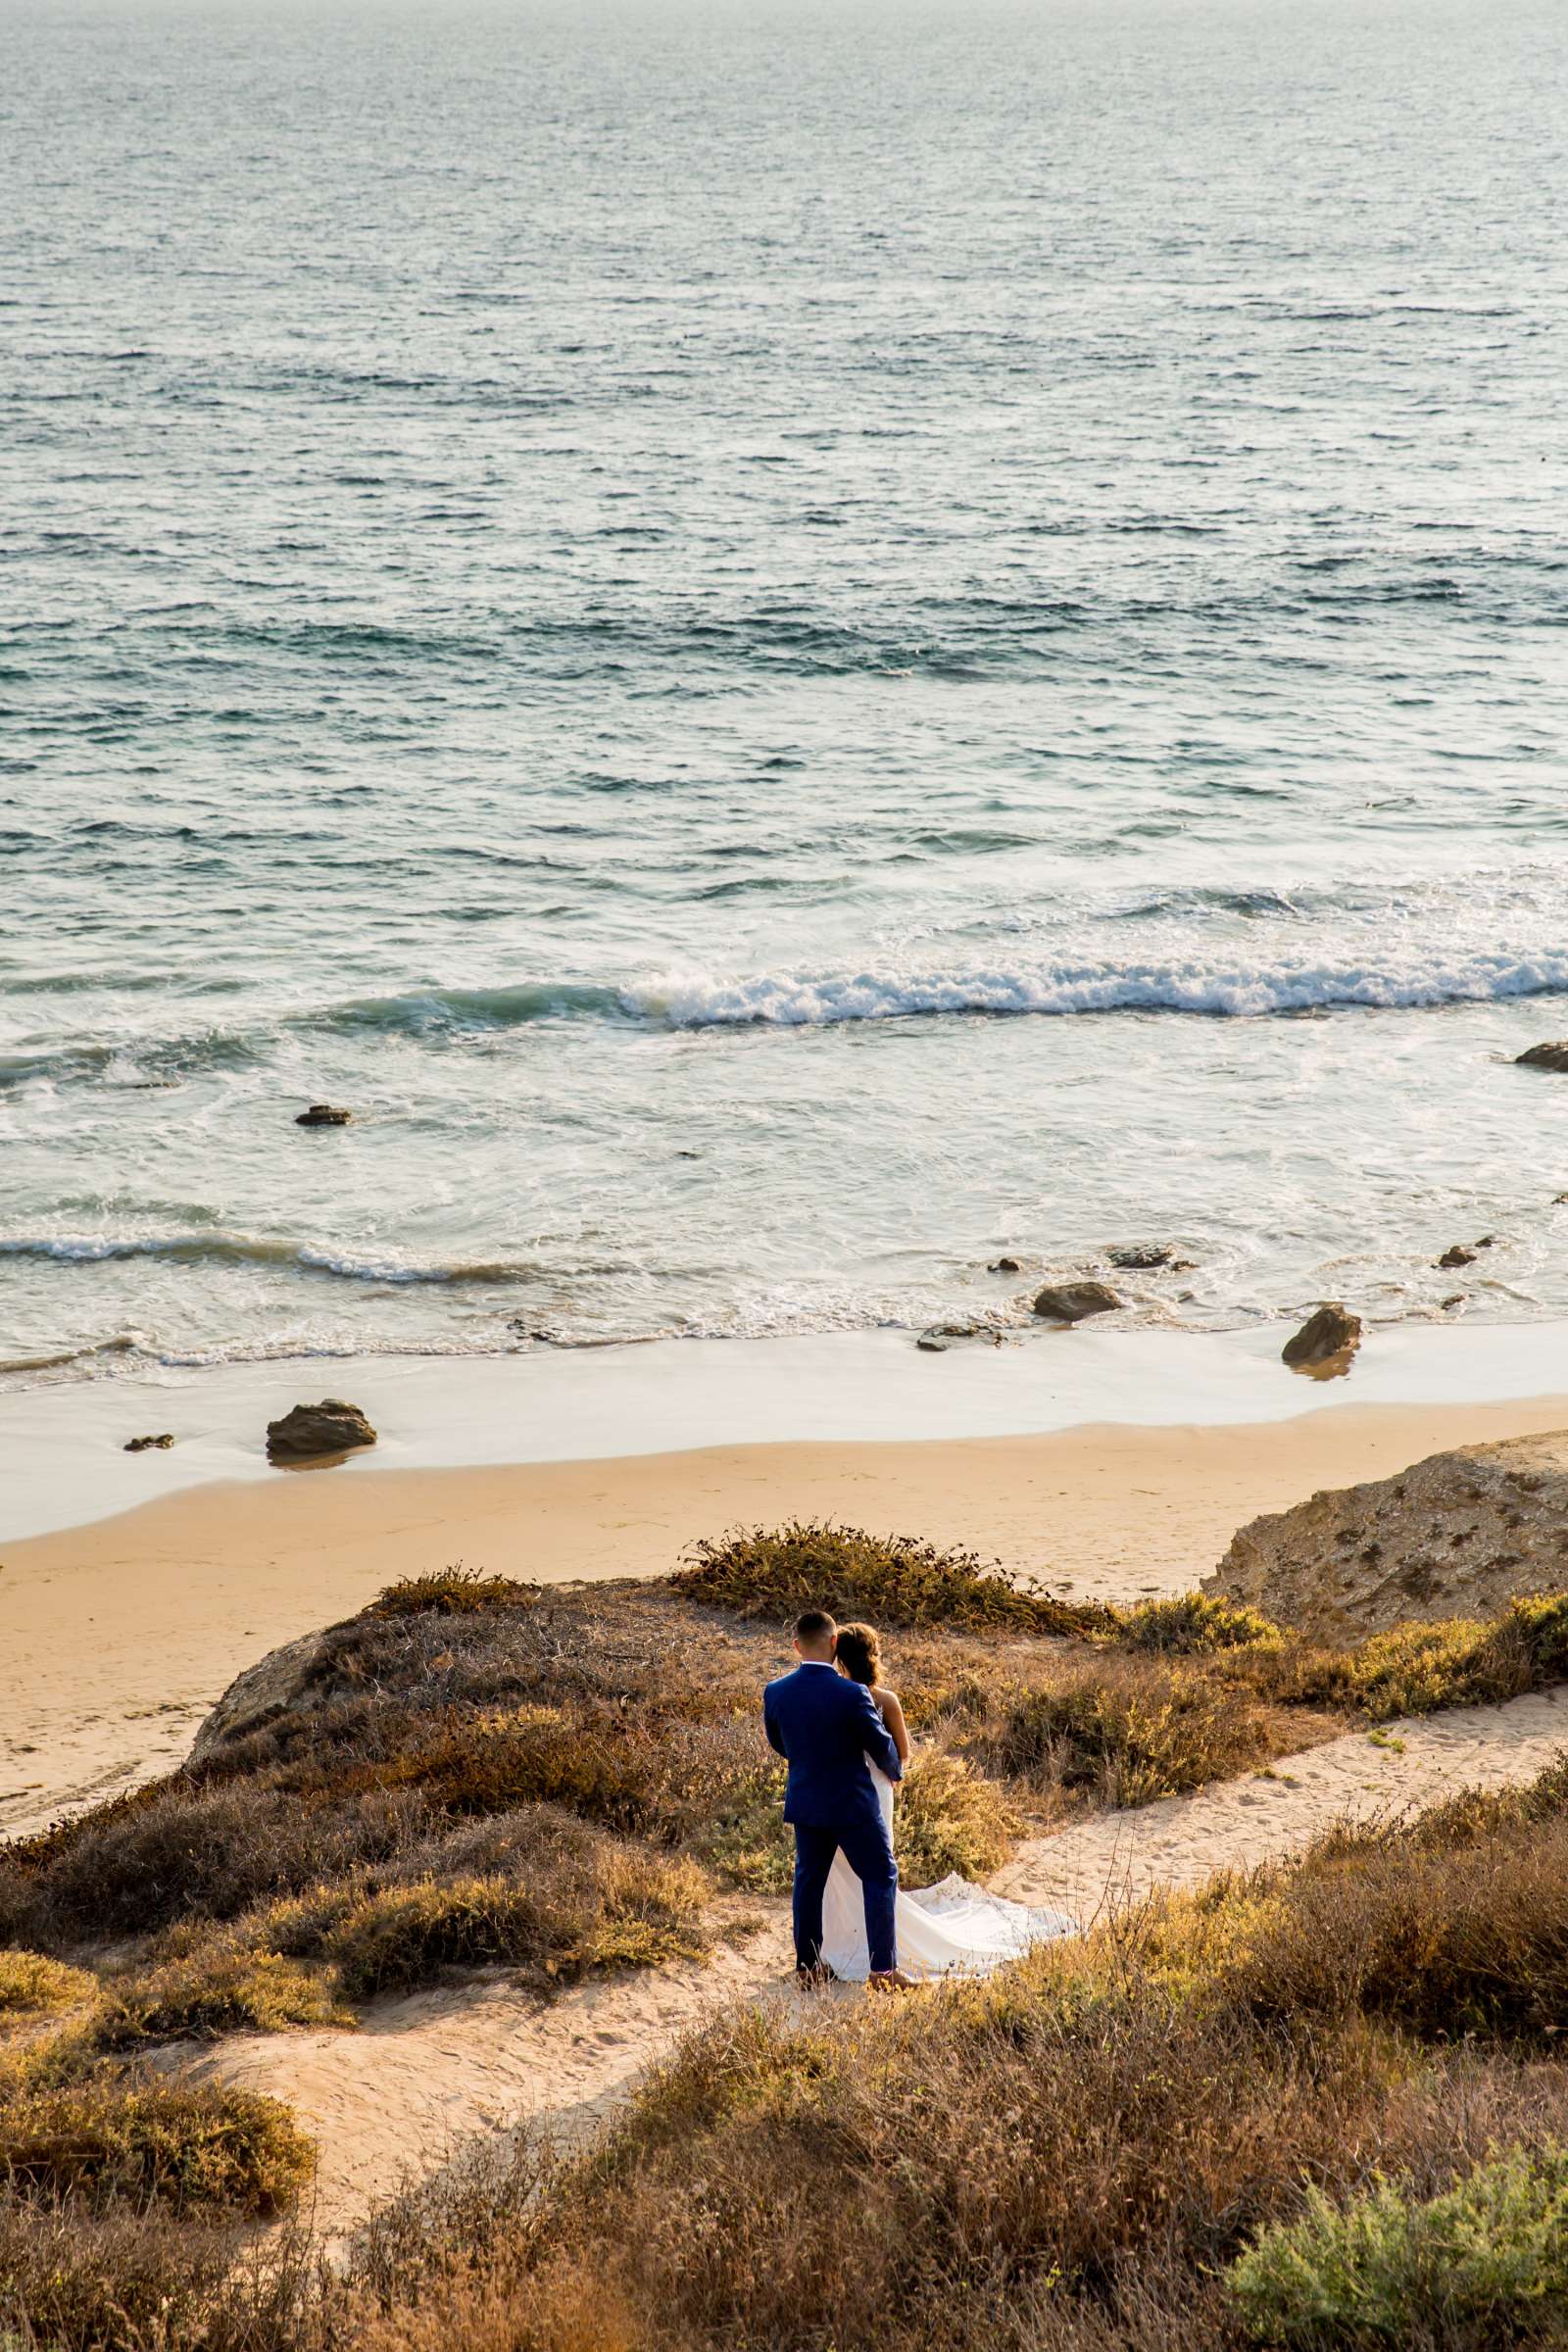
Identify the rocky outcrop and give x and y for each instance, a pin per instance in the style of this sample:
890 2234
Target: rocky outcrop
1075 1301
1550 1056
312 1429
1004 1265
1325 1343
1465 1253
323 1114
280 1684
1457 1536
161 1444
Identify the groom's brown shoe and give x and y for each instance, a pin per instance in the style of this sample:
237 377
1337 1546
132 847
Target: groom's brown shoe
814 1979
891 1979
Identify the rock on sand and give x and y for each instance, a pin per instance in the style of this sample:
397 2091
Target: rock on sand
330 1426
1326 1341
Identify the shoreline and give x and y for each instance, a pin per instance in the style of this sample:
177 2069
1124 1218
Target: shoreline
62 1447
119 1634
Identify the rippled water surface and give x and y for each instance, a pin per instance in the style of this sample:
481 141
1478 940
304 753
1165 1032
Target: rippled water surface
794 650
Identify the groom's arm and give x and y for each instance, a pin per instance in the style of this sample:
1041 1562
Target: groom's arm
876 1738
771 1729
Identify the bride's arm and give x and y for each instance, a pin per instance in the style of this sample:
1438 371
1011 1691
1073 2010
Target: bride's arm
893 1717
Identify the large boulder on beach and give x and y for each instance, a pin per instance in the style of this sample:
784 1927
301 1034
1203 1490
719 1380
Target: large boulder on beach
1326 1341
1457 1536
312 1429
1074 1301
1552 1056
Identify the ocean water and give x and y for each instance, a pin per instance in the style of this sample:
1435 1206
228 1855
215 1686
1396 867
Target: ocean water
795 649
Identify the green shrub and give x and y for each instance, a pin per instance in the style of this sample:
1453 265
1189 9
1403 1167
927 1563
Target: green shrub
951 1818
138 2138
31 1985
1192 1623
1476 2265
745 1836
891 1580
222 1986
626 1908
452 1592
1129 1730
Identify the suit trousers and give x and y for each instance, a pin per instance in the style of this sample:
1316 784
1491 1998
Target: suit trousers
868 1851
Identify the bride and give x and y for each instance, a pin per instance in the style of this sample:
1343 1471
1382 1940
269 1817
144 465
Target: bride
952 1928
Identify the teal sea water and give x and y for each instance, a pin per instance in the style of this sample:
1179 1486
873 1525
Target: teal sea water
794 649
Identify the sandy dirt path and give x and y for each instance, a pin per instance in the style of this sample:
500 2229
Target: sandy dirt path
389 2101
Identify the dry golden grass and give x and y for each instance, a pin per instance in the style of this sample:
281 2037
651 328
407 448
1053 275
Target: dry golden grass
1066 2159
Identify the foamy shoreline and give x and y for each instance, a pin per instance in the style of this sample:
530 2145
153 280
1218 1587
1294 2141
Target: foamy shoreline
62 1448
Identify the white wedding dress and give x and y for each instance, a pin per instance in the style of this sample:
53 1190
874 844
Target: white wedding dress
954 1928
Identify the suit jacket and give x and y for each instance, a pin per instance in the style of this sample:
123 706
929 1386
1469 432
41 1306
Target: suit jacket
826 1727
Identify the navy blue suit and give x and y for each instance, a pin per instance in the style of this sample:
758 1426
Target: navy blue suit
826 1727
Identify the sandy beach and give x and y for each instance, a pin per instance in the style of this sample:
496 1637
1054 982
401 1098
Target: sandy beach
116 1637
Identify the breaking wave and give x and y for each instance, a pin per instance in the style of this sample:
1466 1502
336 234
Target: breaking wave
240 1250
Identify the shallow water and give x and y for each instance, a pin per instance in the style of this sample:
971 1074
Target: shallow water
793 651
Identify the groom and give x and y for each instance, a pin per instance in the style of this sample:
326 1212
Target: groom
825 1726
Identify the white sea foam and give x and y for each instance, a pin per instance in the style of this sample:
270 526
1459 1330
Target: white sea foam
1219 989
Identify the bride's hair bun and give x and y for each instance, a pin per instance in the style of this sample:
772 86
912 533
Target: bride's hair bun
860 1652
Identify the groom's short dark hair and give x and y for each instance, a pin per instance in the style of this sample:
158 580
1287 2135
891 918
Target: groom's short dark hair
814 1625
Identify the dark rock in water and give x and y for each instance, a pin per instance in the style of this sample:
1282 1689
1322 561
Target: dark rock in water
1075 1301
1550 1056
1457 1299
323 1114
1143 1258
149 1445
330 1426
942 1336
1004 1265
1325 1343
1463 1254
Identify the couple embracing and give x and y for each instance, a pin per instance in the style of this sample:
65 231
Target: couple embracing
842 1732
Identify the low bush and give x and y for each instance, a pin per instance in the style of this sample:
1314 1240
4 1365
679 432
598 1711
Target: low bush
891 1580
452 1592
222 1984
190 1850
951 1818
31 1985
1125 1731
140 2139
1193 1624
1464 1935
622 1908
1480 2266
